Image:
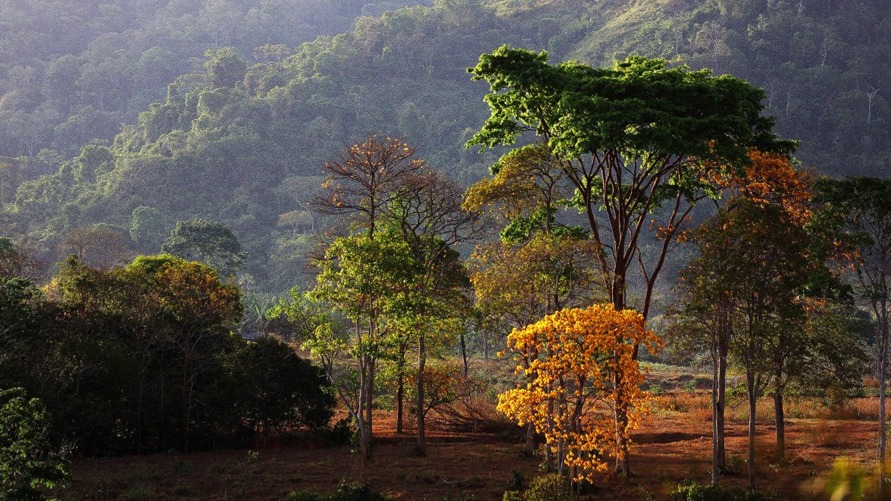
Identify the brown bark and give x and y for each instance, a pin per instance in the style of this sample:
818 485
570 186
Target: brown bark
400 396
750 461
719 391
780 454
421 446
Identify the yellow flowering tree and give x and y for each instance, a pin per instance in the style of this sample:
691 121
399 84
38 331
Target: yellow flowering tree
571 361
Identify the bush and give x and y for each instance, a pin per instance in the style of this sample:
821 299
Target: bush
550 487
29 460
352 491
348 491
303 496
691 491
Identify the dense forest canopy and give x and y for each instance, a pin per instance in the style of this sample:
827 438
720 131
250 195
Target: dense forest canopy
253 109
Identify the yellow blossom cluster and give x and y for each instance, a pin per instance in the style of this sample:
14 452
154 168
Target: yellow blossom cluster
578 364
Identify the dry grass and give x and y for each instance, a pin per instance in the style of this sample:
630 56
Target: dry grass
672 445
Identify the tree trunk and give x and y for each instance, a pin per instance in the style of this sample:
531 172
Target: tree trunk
719 386
364 416
780 454
369 401
722 405
883 368
623 466
750 462
400 388
186 401
364 449
464 354
531 442
422 362
400 395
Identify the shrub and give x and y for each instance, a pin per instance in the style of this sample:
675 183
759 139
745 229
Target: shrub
550 487
29 460
691 491
303 496
352 491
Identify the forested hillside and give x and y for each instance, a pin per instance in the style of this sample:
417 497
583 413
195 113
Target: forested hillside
72 72
244 129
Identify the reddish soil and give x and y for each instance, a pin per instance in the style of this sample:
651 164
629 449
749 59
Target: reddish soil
670 447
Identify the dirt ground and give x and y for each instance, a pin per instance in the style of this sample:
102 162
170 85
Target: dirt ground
673 445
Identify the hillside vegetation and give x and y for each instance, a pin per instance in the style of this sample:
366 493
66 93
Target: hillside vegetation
243 131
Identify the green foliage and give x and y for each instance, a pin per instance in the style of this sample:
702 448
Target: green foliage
224 67
206 241
846 480
23 329
233 153
352 491
109 352
280 389
629 140
549 487
366 277
29 459
148 228
303 496
691 491
347 491
640 109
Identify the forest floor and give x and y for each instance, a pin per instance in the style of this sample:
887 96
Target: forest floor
672 445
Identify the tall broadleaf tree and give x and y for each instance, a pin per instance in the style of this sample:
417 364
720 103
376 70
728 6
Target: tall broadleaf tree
209 242
743 290
707 287
858 210
638 142
428 216
367 274
367 281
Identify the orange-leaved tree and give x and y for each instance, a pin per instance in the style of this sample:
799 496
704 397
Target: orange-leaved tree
571 359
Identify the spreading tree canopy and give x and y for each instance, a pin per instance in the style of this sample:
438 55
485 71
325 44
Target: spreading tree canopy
640 143
632 139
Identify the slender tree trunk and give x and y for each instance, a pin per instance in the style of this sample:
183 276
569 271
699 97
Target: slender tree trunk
360 422
622 463
753 396
880 308
186 401
780 454
531 442
883 383
721 406
369 401
364 416
400 395
717 411
715 472
422 362
400 388
464 354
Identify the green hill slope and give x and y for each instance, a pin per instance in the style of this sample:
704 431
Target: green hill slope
243 143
